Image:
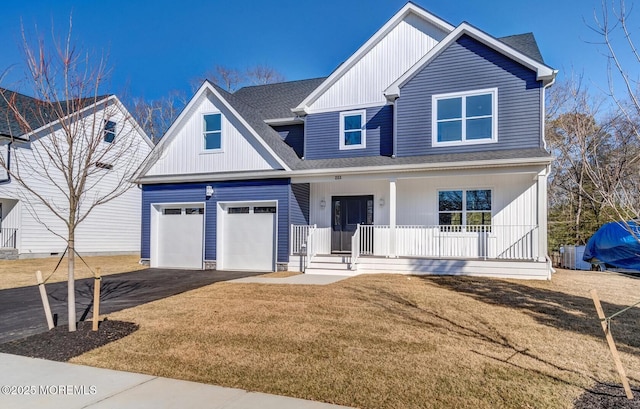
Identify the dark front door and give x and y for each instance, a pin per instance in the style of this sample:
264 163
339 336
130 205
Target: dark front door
347 212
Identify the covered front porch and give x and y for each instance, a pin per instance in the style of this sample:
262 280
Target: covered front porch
492 222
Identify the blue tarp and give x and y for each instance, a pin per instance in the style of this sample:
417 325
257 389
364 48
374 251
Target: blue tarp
615 245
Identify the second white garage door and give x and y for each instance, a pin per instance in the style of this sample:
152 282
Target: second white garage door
248 236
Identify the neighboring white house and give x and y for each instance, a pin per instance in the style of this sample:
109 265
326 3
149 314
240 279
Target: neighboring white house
28 228
422 153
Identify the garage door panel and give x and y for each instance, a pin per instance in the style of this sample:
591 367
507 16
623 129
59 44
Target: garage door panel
180 238
249 242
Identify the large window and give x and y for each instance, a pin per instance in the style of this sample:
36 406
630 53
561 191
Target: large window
353 133
465 117
464 207
213 132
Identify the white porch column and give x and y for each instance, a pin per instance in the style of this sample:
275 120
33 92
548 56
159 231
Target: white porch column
392 217
542 215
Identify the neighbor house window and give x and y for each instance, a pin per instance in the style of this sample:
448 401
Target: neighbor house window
109 131
353 134
465 117
212 132
464 207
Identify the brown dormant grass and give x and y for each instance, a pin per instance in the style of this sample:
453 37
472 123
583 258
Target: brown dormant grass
389 341
21 273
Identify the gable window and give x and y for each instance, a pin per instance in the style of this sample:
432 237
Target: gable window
464 207
212 132
109 131
353 134
465 118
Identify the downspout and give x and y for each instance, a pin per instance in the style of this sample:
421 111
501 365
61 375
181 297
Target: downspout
550 268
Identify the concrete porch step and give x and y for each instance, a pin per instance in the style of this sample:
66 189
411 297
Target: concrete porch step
8 253
330 265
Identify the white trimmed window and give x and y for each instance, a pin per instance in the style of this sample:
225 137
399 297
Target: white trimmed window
109 131
353 132
465 118
464 207
212 130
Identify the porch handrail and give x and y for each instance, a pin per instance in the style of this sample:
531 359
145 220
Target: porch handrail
8 237
355 248
310 245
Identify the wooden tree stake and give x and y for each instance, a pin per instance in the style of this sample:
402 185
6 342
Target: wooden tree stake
45 299
96 299
612 345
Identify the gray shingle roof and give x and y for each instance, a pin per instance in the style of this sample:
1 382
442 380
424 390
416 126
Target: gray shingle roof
35 112
525 43
276 100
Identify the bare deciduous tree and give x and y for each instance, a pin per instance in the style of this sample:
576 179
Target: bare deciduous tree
263 74
618 184
156 116
80 143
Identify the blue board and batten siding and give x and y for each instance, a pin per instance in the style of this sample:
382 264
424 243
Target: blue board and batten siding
323 135
468 65
279 190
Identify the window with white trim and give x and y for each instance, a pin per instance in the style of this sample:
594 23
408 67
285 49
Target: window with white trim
212 125
464 207
109 131
353 133
465 118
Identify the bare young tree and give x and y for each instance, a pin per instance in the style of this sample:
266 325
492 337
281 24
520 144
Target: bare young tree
78 143
156 116
613 26
263 74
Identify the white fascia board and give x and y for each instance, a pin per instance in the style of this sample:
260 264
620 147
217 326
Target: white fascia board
408 8
543 72
361 170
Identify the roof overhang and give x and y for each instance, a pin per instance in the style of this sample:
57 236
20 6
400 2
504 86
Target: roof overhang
360 170
544 73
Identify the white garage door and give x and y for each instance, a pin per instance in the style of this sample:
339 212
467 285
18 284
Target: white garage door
248 237
180 237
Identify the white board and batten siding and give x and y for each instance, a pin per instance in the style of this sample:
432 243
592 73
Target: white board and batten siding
385 62
185 154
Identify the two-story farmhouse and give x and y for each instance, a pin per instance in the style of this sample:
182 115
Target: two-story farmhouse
424 152
109 147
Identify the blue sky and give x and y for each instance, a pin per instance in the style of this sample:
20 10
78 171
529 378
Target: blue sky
158 46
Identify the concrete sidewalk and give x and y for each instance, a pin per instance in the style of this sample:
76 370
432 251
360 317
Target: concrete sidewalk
37 383
301 279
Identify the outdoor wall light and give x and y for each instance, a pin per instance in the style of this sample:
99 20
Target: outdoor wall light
323 203
381 202
209 191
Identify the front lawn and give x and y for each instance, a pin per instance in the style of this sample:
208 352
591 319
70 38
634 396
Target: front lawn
21 273
390 341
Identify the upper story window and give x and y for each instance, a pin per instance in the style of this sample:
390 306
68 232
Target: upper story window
109 131
353 133
464 118
212 132
464 207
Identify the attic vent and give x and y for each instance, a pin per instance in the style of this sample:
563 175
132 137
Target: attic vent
103 165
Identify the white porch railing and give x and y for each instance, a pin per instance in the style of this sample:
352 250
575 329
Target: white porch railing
485 241
355 247
8 237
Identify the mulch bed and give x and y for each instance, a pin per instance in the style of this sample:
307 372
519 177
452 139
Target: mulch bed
61 345
605 396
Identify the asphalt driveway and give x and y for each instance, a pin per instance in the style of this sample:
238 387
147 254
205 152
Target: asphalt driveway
22 314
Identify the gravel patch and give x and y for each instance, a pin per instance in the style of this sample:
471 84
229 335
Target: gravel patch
608 396
61 345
